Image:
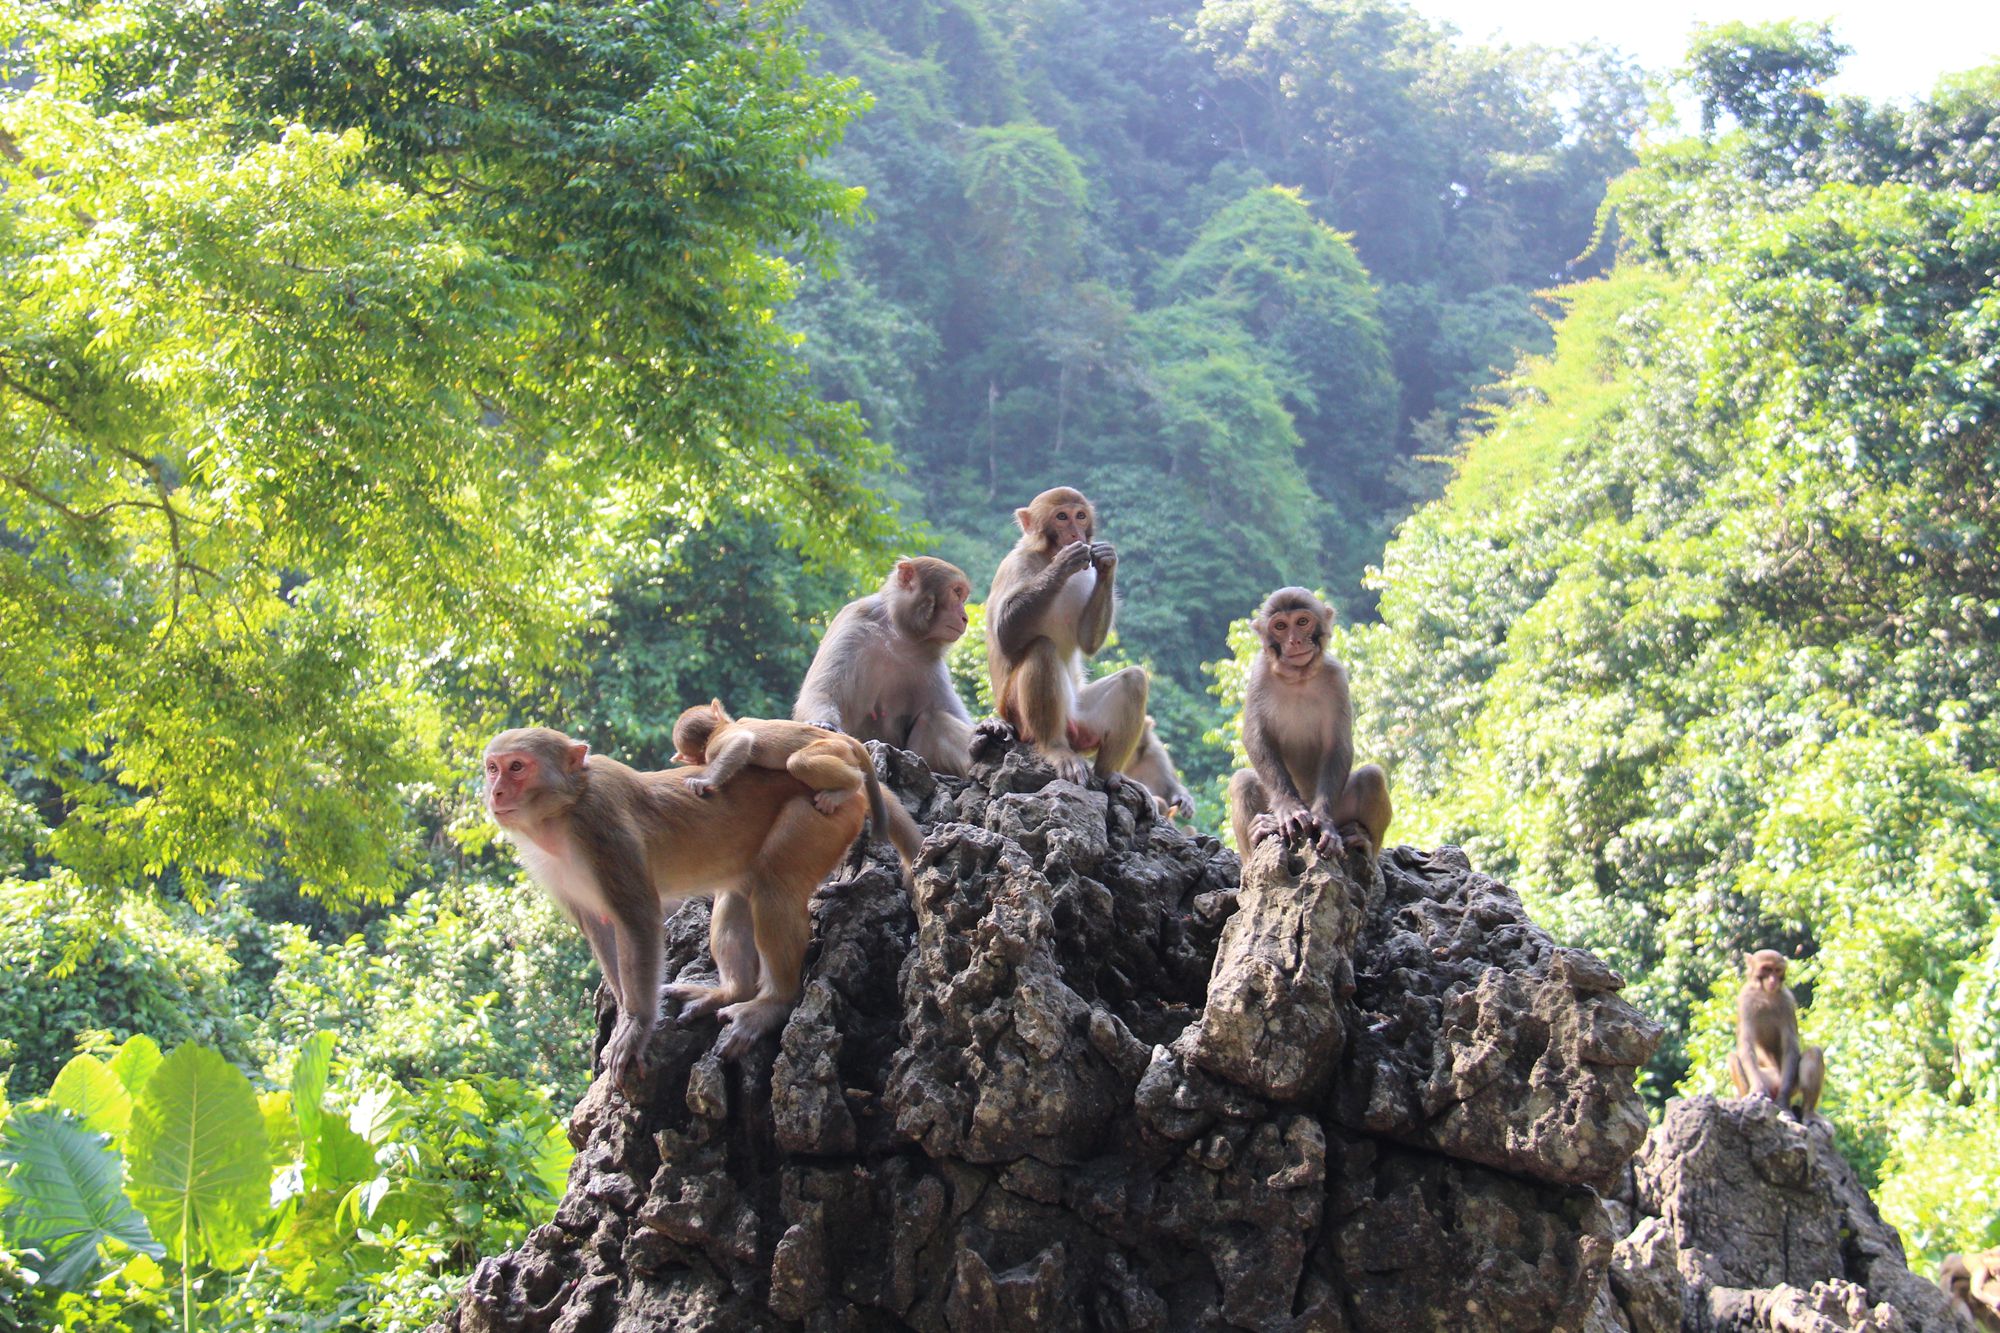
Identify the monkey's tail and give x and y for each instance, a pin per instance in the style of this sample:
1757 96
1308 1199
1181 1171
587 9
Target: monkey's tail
890 820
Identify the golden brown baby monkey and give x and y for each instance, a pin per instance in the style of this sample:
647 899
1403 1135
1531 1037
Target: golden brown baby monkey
1768 1055
837 767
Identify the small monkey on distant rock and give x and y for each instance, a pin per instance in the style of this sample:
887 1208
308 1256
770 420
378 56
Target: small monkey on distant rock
837 767
1051 606
880 672
1299 732
612 845
1971 1283
1768 1056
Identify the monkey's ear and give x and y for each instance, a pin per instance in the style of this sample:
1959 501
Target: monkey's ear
715 707
1026 518
906 573
579 754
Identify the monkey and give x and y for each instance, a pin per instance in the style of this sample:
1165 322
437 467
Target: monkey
612 845
1153 766
1299 731
1050 607
880 673
1971 1284
837 767
1768 1055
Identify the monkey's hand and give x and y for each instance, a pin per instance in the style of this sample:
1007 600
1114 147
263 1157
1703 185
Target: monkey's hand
1072 559
1103 556
701 786
1328 842
625 1053
827 724
990 735
827 802
1356 839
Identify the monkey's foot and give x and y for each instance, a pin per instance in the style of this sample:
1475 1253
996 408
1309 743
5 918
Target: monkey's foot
826 724
700 786
1355 839
1069 766
747 1023
696 1001
827 802
1262 827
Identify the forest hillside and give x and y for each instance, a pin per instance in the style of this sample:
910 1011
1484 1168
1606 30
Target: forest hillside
377 375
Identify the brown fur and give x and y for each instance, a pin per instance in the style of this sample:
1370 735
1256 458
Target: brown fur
835 766
1768 1056
1971 1283
1298 728
880 673
612 845
1051 607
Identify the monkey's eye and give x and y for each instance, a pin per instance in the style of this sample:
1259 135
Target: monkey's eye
514 767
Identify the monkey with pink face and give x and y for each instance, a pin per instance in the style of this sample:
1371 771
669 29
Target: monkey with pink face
1298 729
612 846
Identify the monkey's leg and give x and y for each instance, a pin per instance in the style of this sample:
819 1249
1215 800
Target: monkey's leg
1738 1076
1044 695
1115 710
732 942
828 768
602 937
1812 1079
1249 805
800 850
1364 805
640 942
943 740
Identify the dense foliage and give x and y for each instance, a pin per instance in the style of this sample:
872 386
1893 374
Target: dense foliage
1701 647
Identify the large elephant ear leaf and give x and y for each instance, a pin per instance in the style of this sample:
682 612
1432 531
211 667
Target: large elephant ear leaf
201 1169
65 1196
88 1087
135 1062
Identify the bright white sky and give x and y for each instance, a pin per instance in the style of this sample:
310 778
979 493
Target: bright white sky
1900 46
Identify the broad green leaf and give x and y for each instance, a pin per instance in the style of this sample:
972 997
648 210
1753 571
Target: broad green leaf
64 1196
201 1168
135 1062
309 1087
88 1087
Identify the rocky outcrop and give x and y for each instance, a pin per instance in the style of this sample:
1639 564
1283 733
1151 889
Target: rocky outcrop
1743 1219
1082 1078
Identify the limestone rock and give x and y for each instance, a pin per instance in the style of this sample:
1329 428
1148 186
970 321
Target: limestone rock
1089 1075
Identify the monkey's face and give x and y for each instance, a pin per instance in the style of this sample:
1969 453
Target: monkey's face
948 618
524 782
1767 971
1294 637
1068 524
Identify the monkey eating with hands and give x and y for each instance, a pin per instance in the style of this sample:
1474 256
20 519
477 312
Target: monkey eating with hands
1051 606
838 768
1768 1056
612 846
1298 729
880 673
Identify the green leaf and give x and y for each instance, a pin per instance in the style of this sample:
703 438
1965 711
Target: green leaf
200 1162
63 1182
135 1062
309 1088
88 1087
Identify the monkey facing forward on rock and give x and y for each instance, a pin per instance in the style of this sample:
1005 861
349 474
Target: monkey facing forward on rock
1298 730
612 845
1768 1056
1051 607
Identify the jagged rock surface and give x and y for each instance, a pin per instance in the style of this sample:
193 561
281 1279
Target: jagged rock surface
1078 1079
1746 1221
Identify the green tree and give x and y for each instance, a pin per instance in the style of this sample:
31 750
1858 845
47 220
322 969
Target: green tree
344 349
